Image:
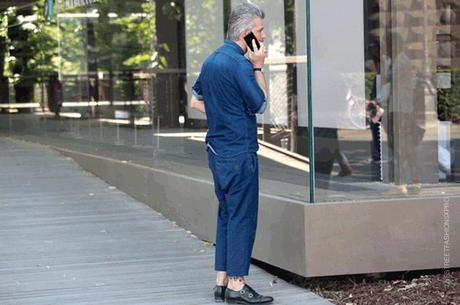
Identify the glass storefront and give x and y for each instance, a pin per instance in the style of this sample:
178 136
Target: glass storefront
113 78
395 135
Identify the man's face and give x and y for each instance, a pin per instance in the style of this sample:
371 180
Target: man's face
258 29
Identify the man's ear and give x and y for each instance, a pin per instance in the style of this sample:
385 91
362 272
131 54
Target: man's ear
242 34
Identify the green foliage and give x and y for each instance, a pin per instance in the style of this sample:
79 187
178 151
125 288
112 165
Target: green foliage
4 24
173 10
72 47
43 44
31 42
127 40
369 82
5 58
449 100
200 27
124 37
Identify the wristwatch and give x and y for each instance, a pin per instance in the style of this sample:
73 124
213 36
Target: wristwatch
258 69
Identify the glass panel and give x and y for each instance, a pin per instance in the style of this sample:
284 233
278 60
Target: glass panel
338 95
385 118
121 79
94 86
283 149
113 78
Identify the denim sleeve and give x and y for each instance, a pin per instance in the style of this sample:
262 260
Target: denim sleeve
197 90
252 94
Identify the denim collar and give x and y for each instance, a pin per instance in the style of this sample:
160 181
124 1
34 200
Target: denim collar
234 46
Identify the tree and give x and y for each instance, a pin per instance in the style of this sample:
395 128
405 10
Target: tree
4 55
31 40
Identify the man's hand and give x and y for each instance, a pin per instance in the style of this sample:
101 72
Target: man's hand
257 58
197 104
374 110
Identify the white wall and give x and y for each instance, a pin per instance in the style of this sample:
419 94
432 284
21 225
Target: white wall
337 62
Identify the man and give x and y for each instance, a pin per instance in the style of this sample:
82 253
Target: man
231 89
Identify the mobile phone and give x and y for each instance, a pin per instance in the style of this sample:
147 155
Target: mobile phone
249 38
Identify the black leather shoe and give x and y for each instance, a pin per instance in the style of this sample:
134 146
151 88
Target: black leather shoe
219 293
247 295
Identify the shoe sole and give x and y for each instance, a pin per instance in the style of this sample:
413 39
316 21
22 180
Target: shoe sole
245 303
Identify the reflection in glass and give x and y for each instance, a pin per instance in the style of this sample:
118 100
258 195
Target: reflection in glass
113 78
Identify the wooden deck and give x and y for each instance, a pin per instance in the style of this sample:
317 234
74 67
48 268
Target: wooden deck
67 237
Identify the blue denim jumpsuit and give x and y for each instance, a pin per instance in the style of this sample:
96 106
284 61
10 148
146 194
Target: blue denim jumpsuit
232 97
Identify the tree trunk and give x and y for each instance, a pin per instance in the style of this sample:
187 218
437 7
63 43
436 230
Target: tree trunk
4 89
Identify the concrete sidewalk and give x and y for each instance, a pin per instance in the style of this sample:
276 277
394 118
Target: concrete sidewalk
66 237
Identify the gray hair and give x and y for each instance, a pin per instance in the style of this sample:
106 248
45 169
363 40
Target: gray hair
242 19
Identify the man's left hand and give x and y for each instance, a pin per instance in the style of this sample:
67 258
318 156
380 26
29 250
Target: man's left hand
257 58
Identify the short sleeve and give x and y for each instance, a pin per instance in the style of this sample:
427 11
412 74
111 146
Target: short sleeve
197 89
252 94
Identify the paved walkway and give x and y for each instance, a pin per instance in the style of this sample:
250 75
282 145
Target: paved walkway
66 237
